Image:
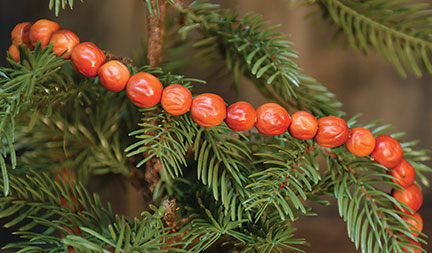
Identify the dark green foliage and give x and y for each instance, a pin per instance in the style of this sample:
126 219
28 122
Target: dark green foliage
399 30
56 4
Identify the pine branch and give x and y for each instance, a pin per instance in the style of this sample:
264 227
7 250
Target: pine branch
56 4
250 48
398 30
35 199
360 186
290 172
37 72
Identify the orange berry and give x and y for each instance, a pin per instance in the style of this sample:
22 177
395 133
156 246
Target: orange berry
412 249
113 75
42 30
208 110
144 89
63 42
241 116
20 34
415 222
87 58
272 119
332 132
361 142
303 125
388 152
411 196
14 53
404 174
176 99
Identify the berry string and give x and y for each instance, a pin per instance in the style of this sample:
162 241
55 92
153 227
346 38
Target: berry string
208 110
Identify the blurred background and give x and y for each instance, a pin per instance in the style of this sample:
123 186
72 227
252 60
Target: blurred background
367 85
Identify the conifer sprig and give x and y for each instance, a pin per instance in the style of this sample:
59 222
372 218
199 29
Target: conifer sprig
399 30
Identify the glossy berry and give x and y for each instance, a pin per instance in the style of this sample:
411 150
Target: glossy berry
144 89
176 99
87 58
241 116
20 34
332 132
404 174
304 125
388 152
14 53
410 196
415 222
63 42
113 75
272 119
41 31
208 110
361 142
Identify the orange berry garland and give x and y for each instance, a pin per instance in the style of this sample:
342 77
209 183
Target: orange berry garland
14 53
144 90
20 34
411 196
208 110
41 31
332 132
403 173
241 116
303 125
63 42
113 75
176 99
272 119
388 152
87 58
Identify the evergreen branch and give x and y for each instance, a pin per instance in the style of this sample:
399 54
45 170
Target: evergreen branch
250 48
209 224
359 186
56 4
398 30
290 172
37 71
62 208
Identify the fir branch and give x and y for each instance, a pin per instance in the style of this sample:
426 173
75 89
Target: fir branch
56 4
290 172
36 73
249 47
398 30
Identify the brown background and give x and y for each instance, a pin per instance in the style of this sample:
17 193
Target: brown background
368 85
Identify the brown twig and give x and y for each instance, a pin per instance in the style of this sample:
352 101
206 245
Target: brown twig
156 32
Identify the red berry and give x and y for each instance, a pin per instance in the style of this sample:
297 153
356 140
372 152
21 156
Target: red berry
361 142
41 31
332 132
388 152
208 110
87 58
64 40
144 89
303 125
415 222
404 174
14 53
176 99
20 34
113 75
272 119
241 116
411 196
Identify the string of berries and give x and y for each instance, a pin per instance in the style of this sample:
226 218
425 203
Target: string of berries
208 110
